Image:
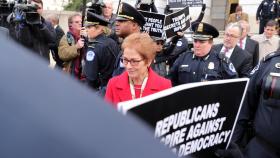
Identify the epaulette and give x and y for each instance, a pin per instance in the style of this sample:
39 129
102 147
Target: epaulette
92 44
271 55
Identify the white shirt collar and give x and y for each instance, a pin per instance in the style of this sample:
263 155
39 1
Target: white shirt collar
228 53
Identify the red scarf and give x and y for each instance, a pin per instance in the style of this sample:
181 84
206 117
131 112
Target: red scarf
77 61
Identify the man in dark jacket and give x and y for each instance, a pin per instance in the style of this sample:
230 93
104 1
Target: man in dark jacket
36 35
241 59
54 19
246 43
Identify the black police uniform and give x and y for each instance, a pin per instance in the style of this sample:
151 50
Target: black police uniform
213 66
267 10
127 12
168 55
189 68
262 106
99 58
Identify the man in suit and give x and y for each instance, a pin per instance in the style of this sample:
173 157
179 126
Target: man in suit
246 43
238 15
241 59
54 19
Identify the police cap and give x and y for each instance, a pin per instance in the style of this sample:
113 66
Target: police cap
204 31
127 12
156 39
94 19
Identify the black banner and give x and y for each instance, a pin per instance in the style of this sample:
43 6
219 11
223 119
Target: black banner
154 24
192 119
183 3
178 21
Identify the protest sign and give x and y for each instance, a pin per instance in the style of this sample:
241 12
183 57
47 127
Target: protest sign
154 23
176 4
192 119
177 21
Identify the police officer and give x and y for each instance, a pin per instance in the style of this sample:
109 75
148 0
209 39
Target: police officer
267 10
203 63
128 21
168 52
100 55
262 106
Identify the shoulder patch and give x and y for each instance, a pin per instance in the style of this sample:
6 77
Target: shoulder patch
179 43
232 68
277 65
271 55
256 68
90 56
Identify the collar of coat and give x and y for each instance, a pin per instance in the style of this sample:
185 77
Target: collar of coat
151 84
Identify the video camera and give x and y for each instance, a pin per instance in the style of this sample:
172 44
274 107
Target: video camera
95 6
27 12
6 7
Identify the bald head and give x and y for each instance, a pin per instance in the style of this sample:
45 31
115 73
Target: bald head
53 18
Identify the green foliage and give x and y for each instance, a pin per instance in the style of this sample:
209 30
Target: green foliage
74 5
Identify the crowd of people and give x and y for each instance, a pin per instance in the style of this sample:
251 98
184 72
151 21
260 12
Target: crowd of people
110 54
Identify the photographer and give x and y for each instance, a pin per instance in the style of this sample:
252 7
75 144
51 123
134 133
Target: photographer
262 107
37 35
5 9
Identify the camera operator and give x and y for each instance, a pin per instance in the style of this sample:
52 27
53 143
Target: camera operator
262 107
6 8
37 35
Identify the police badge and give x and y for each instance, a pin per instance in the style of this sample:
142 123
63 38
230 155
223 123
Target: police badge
277 65
211 66
90 56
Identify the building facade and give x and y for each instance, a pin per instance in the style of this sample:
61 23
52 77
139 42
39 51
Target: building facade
55 4
216 13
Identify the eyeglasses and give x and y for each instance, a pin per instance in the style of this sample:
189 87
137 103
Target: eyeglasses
231 35
133 62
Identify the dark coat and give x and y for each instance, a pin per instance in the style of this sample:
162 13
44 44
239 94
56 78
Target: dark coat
37 37
241 60
252 47
99 60
189 68
59 34
263 109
